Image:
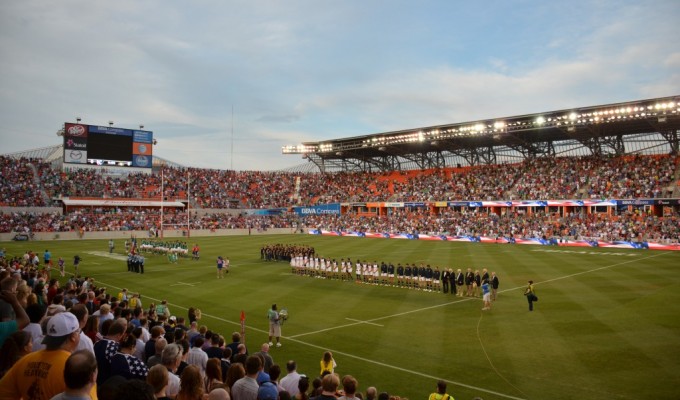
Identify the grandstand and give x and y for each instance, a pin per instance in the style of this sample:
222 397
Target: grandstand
636 127
616 160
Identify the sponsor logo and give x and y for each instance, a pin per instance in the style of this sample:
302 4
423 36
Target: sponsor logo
142 161
142 148
75 156
318 211
76 130
76 145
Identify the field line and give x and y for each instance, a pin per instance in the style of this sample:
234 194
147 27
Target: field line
238 323
460 384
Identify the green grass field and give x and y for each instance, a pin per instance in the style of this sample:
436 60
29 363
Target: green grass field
607 325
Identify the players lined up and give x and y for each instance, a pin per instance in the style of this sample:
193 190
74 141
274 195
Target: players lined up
412 276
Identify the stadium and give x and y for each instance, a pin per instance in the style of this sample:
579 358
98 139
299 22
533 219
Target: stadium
594 191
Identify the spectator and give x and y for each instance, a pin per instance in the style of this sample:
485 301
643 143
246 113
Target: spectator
191 386
80 376
289 383
80 311
171 358
197 356
235 372
61 340
158 379
349 386
105 349
440 394
159 346
213 375
10 326
125 364
268 360
246 388
17 345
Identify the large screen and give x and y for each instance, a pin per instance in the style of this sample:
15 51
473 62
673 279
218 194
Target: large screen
107 146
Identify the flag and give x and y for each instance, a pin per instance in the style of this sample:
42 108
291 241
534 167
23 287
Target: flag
243 327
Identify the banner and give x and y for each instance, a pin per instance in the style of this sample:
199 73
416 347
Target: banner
318 210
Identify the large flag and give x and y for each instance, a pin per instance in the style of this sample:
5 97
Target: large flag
243 327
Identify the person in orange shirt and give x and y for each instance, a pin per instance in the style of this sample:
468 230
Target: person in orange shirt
195 252
40 375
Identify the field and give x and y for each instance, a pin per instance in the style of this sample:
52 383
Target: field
607 324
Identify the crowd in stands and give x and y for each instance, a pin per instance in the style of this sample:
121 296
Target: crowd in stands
540 178
89 343
18 186
628 226
28 182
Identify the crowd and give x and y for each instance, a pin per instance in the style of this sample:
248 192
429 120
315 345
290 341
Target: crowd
80 341
626 226
31 182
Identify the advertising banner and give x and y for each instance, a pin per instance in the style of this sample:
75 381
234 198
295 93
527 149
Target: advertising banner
75 130
141 148
141 161
142 136
75 156
318 210
75 143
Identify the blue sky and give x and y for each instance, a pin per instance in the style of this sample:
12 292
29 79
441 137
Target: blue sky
297 71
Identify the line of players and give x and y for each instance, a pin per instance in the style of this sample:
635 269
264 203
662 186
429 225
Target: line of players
412 276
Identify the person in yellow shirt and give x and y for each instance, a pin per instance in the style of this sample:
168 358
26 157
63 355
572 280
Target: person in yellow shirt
440 394
40 375
327 363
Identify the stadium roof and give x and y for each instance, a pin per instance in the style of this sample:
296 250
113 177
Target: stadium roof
642 126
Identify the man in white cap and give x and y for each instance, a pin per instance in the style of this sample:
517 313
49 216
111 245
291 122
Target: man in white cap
40 375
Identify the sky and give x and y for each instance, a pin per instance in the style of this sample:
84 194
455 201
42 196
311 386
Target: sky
225 84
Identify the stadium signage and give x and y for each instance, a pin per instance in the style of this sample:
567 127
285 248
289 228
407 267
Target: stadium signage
318 210
76 130
76 143
110 130
75 156
667 202
141 136
636 202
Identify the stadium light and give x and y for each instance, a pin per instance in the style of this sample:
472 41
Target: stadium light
110 123
540 120
141 126
78 119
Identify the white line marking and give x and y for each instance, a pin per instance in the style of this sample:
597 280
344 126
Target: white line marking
363 322
185 284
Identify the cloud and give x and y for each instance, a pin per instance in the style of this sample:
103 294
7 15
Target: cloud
307 71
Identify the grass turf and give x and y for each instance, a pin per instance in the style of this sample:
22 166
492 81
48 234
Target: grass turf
606 324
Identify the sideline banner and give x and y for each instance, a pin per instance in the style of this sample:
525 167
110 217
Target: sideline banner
504 240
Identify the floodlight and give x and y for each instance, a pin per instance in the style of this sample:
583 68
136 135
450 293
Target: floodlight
572 116
110 123
540 120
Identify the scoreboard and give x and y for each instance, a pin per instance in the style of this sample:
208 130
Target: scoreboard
106 146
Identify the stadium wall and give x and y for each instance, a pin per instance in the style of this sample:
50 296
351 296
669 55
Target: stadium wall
6 237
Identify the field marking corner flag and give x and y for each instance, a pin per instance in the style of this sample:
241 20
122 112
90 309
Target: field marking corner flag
243 326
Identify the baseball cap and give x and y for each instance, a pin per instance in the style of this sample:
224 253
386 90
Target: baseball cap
267 391
59 327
